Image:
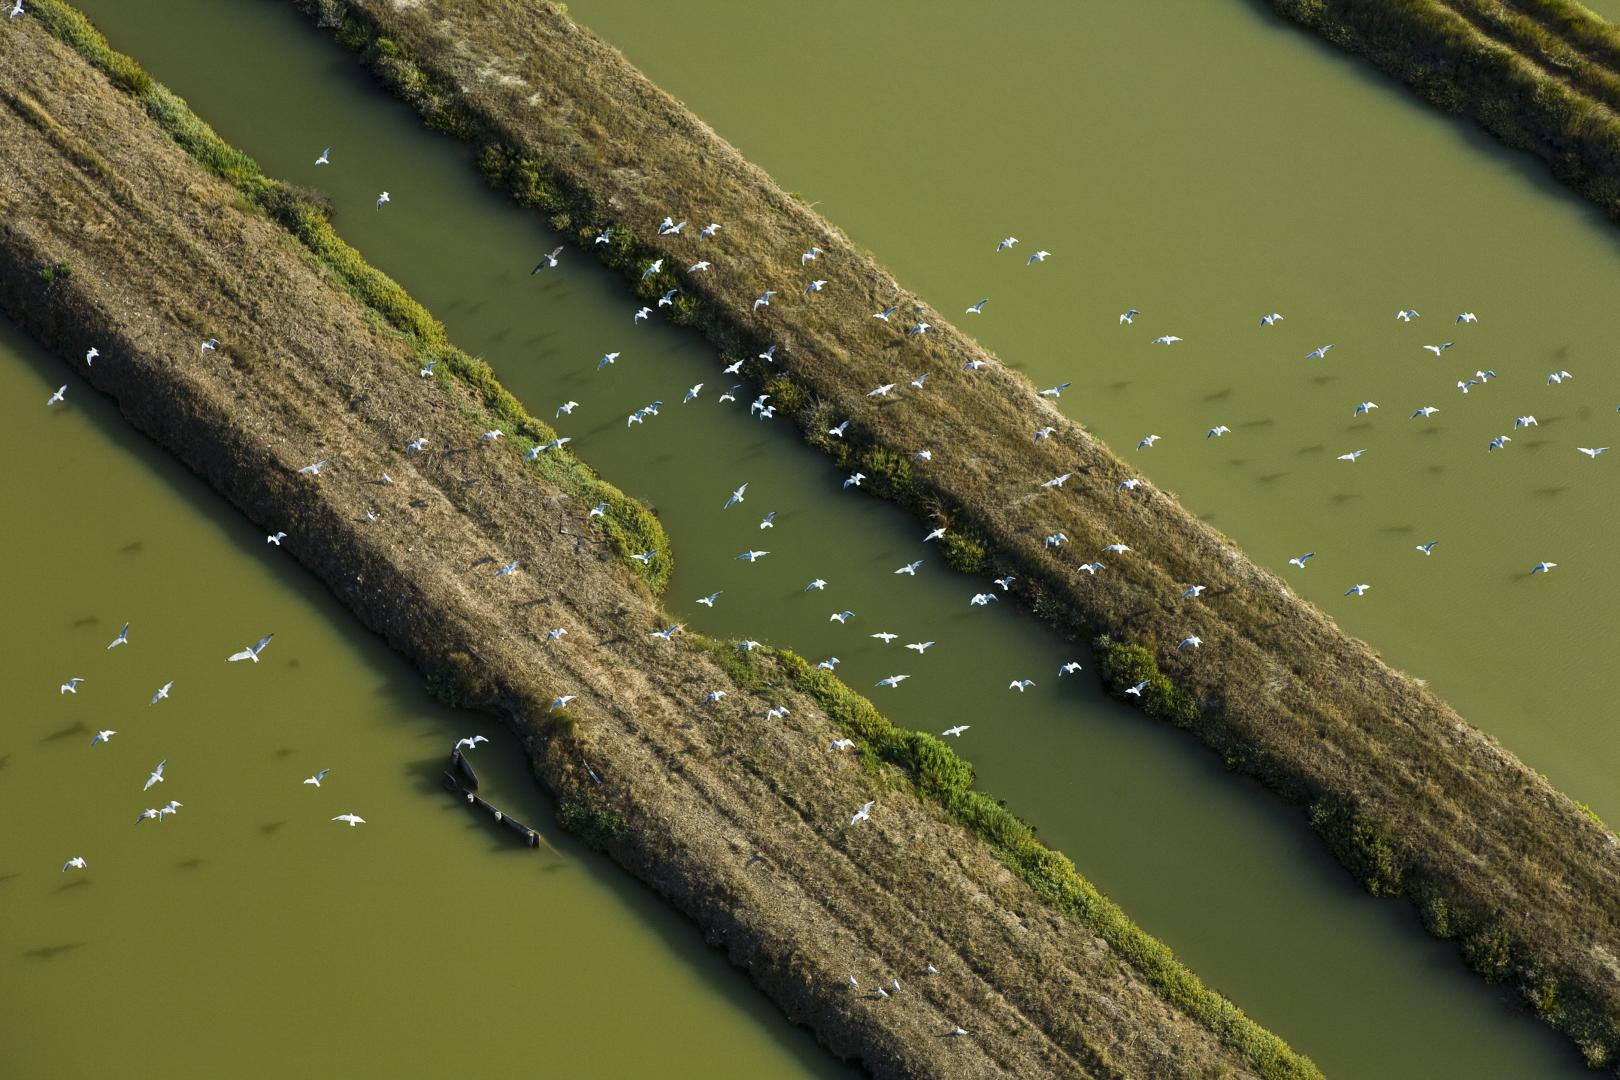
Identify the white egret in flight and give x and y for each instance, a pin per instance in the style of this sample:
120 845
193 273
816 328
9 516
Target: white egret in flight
1148 441
1007 243
70 687
77 862
1021 685
1166 339
1467 317
956 731
1406 315
1070 668
352 819
102 736
1543 568
1354 455
380 200
469 742
58 397
736 497
317 778
1593 451
751 556
893 681
978 309
90 356
325 158
1136 691
1425 412
157 775
1271 320
163 692
547 261
1357 590
864 813
1301 560
1217 431
121 639
1318 353
1427 549
1192 641
1039 256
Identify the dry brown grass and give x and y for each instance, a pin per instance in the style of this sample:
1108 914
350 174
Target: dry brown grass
1408 795
742 823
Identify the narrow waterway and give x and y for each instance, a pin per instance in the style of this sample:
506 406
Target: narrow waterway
1237 886
250 935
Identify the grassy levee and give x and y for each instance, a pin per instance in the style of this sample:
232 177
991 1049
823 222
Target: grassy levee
131 225
1540 75
1411 798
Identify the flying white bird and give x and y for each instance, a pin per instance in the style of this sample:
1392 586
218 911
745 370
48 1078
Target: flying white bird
1497 443
599 510
1136 691
1057 481
1301 560
920 647
1543 568
841 744
1126 318
1021 685
325 158
666 634
1271 320
1057 539
642 314
920 328
1115 549
1092 567
157 775
1167 339
352 819
751 556
1467 317
314 468
1070 668
1353 455
77 862
1055 391
211 345
709 230
1558 377
1365 407
1425 412
509 569
1007 243
864 813
102 736
829 664
882 391
252 651
956 731
380 200
1440 348
1190 642
652 268
708 601
547 261
841 617
1006 582
1039 256
561 702
163 692
1217 431
819 583
692 393
747 645
854 480
469 742
121 639
317 778
919 380
810 256
607 358
1406 315
1130 485
90 356
736 497
978 309
1044 433
699 266
893 680
1593 451
923 455
910 568
1318 353
57 398
1427 549
815 286
982 599
171 807
886 312
1525 421
885 637
1356 590
1148 441
934 535
668 299
277 537
70 687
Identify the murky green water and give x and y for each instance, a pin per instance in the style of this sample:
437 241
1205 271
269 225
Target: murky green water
250 935
1132 181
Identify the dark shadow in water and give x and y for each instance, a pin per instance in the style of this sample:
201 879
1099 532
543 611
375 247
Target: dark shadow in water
83 621
270 828
51 952
1218 395
6 877
78 882
1270 478
76 728
192 863
1548 492
134 547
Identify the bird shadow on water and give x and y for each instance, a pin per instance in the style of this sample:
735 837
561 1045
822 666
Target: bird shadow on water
51 952
76 883
83 621
270 828
134 547
76 728
193 863
1549 492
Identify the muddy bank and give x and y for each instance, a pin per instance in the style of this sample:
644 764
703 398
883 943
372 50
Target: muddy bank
111 235
1411 799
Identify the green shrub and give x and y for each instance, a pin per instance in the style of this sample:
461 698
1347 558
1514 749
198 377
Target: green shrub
460 684
787 395
1363 845
597 826
964 554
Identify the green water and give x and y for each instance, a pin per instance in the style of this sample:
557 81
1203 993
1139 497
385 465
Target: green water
1146 202
250 935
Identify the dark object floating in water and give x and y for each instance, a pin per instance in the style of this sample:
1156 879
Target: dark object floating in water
451 781
469 779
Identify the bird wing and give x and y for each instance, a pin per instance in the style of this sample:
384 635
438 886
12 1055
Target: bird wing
245 654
